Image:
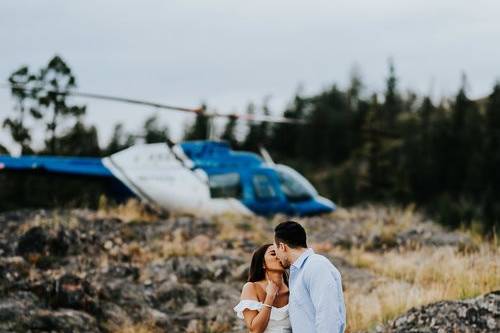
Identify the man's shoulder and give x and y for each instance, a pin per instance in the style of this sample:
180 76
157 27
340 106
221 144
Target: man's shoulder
318 259
318 262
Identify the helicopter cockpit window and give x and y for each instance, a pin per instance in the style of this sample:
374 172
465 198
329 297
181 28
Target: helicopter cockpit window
293 186
263 187
226 185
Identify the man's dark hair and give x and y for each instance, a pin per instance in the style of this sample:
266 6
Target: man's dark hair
291 233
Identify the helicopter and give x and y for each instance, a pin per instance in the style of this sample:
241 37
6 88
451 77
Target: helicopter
201 178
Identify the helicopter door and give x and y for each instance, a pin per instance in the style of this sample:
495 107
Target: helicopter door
267 195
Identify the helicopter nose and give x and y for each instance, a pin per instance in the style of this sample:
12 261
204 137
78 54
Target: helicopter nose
317 205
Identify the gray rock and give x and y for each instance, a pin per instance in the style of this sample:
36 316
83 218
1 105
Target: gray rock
112 317
189 269
15 310
478 315
172 295
63 320
24 312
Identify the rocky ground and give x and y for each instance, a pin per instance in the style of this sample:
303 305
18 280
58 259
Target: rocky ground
88 271
481 314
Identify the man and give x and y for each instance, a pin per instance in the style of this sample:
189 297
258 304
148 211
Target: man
316 303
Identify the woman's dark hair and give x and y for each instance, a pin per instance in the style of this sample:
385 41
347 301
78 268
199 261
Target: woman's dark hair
257 271
291 233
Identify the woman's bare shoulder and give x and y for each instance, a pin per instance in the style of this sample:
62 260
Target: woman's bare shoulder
249 292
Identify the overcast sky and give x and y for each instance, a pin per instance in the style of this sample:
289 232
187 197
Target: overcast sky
229 52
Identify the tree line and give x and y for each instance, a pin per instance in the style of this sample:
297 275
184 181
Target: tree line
391 147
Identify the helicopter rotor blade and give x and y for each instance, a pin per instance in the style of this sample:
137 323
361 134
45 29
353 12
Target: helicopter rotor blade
199 110
136 101
108 98
256 118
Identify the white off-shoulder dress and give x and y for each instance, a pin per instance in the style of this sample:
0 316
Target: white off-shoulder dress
279 322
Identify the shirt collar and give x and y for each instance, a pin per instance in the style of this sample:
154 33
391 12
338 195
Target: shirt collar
300 260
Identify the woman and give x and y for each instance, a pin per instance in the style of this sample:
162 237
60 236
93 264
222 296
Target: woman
264 298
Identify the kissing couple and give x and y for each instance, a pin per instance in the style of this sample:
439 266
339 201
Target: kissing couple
307 300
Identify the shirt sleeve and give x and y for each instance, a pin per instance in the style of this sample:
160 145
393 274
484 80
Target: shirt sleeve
325 288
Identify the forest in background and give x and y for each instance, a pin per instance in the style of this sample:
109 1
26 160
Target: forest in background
395 147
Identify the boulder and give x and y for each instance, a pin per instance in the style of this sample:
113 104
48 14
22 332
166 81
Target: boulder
171 295
478 315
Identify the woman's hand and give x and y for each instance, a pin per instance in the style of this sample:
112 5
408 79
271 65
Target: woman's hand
272 290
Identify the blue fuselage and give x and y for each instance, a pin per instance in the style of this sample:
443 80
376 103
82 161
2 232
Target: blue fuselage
263 188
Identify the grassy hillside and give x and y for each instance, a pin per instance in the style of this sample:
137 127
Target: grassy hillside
129 269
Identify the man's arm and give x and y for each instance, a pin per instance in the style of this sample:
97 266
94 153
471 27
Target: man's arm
325 288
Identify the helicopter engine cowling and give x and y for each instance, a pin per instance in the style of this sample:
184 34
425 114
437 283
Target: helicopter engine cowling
158 176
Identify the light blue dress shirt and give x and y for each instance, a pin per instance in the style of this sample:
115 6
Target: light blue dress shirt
316 302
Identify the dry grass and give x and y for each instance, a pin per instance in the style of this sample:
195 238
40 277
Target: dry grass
174 245
177 244
131 211
386 222
415 278
409 277
379 217
235 228
386 301
55 220
455 273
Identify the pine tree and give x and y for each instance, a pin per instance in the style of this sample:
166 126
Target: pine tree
416 179
466 145
21 84
374 149
285 138
492 160
119 140
80 140
57 80
229 134
264 128
252 139
153 132
392 104
200 129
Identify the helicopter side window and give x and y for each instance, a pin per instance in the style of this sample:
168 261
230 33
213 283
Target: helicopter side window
226 185
263 187
293 187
